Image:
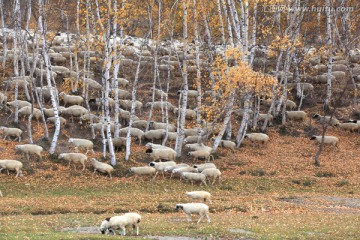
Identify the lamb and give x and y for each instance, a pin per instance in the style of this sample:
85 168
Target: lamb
142 171
202 167
121 222
82 143
159 154
228 144
28 149
122 82
327 139
160 166
257 137
139 134
326 119
74 157
102 167
201 154
213 173
296 115
203 195
349 126
154 134
53 120
11 132
158 125
20 103
11 165
197 177
71 99
191 208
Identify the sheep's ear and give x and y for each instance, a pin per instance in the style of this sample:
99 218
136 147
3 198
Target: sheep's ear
148 151
107 219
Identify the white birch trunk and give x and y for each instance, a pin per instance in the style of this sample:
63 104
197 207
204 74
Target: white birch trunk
4 33
329 65
244 123
221 22
228 24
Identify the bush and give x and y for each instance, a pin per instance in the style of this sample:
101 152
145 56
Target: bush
342 183
259 172
308 183
324 174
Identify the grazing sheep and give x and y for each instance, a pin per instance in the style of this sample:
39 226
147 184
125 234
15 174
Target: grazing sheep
102 167
143 171
190 93
179 170
191 139
162 154
197 177
257 137
197 146
75 158
126 104
296 115
203 195
262 117
194 208
159 125
202 167
11 165
71 99
172 136
20 103
28 149
201 154
189 114
160 105
228 144
121 222
122 82
160 166
141 124
74 111
27 111
119 142
82 143
139 134
11 132
192 132
92 83
213 173
154 134
99 126
122 94
99 102
290 104
326 119
53 120
86 118
157 146
158 93
327 139
348 126
50 112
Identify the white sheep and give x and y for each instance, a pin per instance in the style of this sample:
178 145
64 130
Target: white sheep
228 144
203 195
257 137
189 113
179 170
11 132
194 208
213 173
191 139
82 143
122 94
26 111
75 158
202 167
327 139
326 119
190 93
20 103
160 166
143 171
197 177
126 104
28 149
156 146
290 104
121 222
201 154
3 98
197 146
171 168
74 111
53 120
139 134
158 125
154 134
11 165
159 154
160 105
119 142
122 82
92 83
71 99
296 115
158 93
141 124
349 126
102 167
192 132
49 112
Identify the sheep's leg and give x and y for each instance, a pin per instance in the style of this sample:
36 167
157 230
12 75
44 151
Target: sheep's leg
204 182
76 149
201 217
40 157
27 156
19 138
137 230
92 150
123 230
155 175
83 166
213 181
188 217
110 175
17 173
69 164
207 217
163 174
94 171
8 171
135 177
1 169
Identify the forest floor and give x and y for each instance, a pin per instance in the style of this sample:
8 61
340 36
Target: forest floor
269 192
